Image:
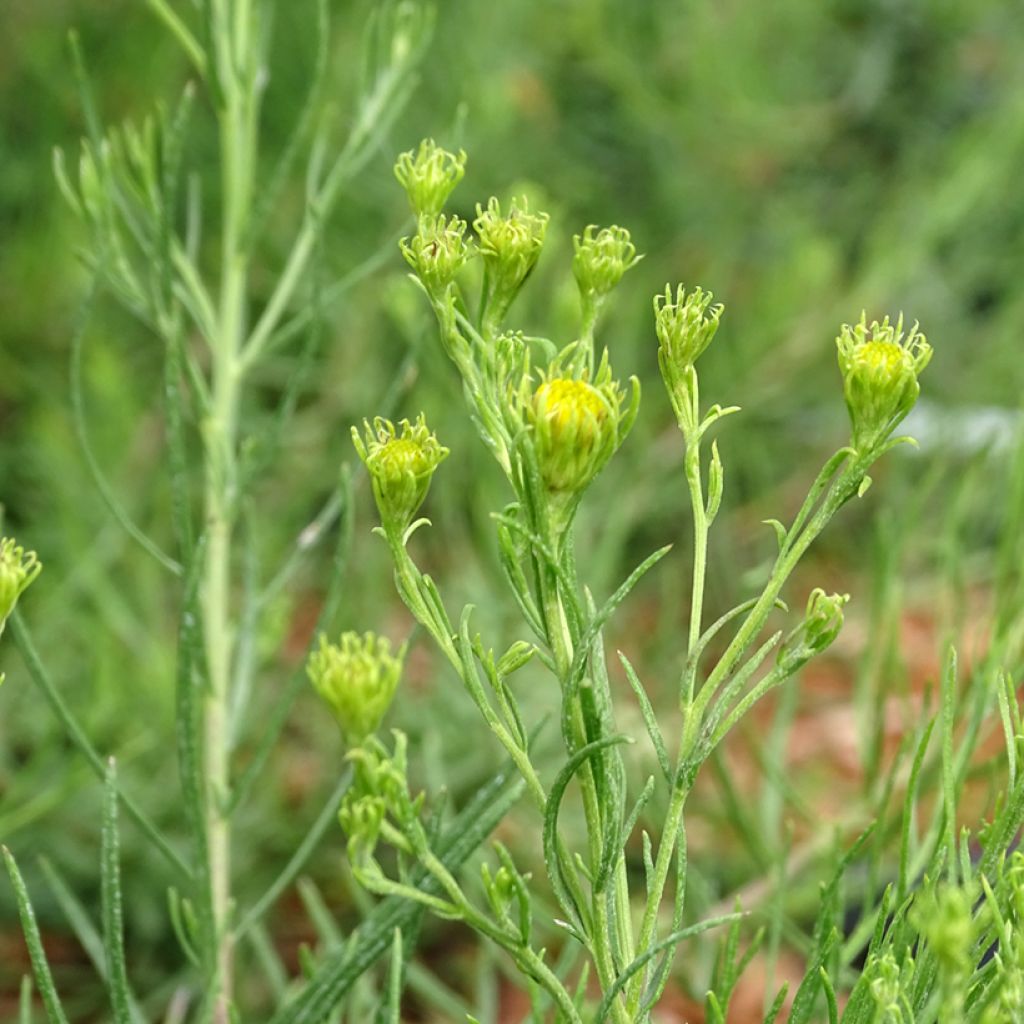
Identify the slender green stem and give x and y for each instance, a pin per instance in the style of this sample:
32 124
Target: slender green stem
662 867
560 639
700 542
674 816
237 122
528 960
842 488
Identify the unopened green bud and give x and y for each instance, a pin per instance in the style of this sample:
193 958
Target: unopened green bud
880 367
823 619
500 889
18 568
885 990
576 429
437 252
361 817
685 326
357 677
509 245
946 921
822 623
401 465
428 176
600 258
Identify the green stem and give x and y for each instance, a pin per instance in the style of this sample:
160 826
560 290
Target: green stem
662 867
700 542
528 960
560 639
841 490
674 818
237 122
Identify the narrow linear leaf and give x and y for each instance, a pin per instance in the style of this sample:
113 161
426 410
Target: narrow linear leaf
37 955
301 855
110 896
557 869
650 719
645 958
106 492
336 976
75 732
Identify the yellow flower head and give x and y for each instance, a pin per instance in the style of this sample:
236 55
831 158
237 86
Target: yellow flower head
880 367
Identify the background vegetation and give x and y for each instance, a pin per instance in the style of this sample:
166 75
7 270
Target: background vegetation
802 159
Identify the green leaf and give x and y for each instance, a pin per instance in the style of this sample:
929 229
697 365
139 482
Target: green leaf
110 895
340 970
594 627
557 869
645 958
106 492
25 1001
78 737
37 955
189 687
650 719
302 853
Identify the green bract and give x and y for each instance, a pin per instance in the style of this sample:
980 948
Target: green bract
600 259
428 175
357 677
510 244
880 367
823 621
685 326
18 568
577 426
437 251
401 465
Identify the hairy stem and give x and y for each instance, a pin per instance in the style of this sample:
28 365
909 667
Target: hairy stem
237 125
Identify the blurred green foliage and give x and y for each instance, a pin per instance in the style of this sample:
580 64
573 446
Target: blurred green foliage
803 159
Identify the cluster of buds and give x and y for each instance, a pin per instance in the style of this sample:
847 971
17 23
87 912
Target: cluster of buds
577 426
880 366
379 794
685 326
357 677
822 623
401 463
428 175
600 258
510 245
18 568
437 252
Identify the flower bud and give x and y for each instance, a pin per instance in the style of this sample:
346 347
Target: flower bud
823 619
400 466
576 430
361 817
509 246
880 368
685 327
428 176
599 260
437 252
822 622
357 677
18 568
